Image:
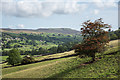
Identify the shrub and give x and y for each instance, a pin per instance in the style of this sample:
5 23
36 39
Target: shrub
14 57
27 59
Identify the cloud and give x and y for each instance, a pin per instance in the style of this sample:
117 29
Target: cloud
37 8
20 26
96 11
105 3
25 8
16 26
10 26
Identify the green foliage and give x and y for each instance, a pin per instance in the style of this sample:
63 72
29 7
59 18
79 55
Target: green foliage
66 46
5 52
27 59
14 57
17 45
30 43
114 34
53 50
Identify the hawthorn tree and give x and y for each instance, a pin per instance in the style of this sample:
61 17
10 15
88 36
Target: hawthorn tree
95 38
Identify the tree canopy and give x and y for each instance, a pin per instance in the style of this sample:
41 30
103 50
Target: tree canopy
95 37
14 57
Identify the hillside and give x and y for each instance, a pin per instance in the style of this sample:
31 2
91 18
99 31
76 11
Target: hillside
70 67
36 44
59 30
42 30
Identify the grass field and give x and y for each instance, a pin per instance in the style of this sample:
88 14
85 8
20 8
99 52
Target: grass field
58 55
71 67
3 57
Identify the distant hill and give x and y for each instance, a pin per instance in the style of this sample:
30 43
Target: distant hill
58 30
46 30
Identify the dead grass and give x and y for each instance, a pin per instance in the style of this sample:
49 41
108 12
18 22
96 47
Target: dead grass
114 43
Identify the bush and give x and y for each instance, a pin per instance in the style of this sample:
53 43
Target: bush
14 57
27 59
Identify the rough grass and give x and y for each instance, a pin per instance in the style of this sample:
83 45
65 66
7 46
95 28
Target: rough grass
29 66
3 58
67 67
72 67
104 68
55 55
46 70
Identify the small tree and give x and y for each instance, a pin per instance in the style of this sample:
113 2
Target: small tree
95 37
14 57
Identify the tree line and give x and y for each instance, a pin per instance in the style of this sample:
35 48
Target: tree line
30 39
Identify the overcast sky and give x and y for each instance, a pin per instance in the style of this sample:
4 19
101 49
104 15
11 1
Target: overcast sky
34 14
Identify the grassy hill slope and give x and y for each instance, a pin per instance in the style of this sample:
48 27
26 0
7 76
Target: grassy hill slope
71 67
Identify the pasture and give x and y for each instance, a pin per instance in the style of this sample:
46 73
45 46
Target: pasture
105 66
